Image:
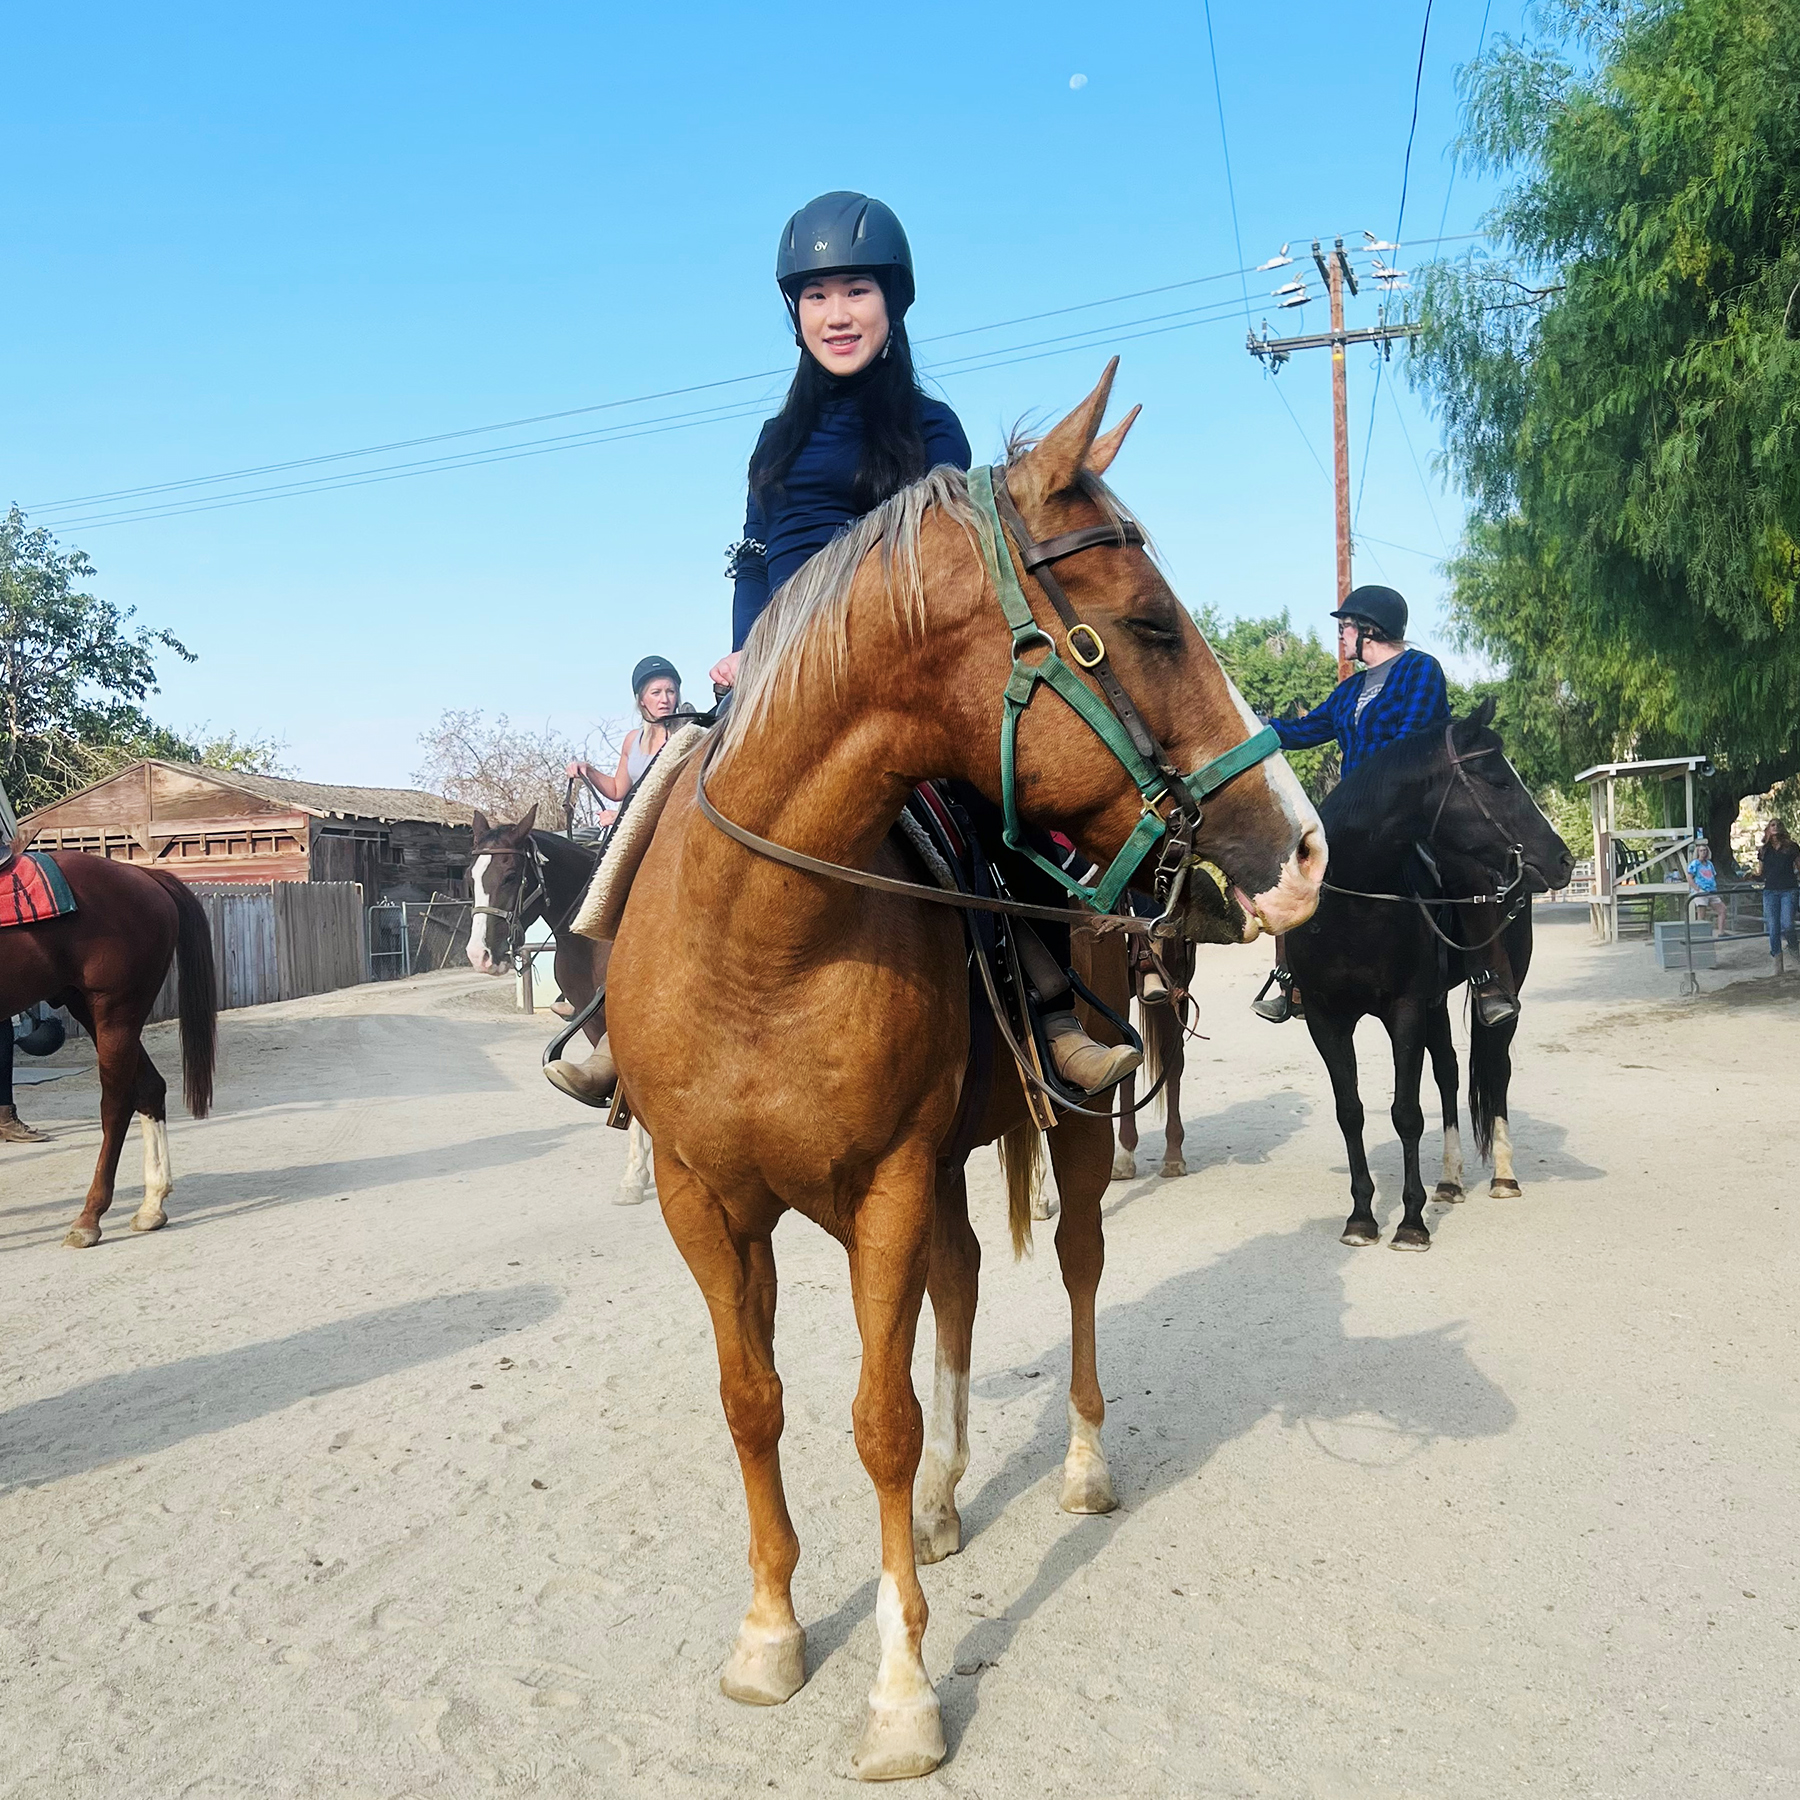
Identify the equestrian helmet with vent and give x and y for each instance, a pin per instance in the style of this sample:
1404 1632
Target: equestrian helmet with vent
843 233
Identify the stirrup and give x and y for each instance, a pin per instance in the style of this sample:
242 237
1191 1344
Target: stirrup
1085 1062
1286 1003
1493 1004
591 1082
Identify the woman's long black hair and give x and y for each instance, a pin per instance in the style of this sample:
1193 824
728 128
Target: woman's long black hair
893 447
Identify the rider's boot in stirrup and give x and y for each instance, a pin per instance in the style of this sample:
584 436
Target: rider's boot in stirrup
14 1130
1284 1004
591 1082
1081 1061
1493 1004
1153 990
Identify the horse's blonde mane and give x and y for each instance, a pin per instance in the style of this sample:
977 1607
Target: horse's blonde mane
801 643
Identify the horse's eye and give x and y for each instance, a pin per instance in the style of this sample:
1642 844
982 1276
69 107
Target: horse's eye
1156 632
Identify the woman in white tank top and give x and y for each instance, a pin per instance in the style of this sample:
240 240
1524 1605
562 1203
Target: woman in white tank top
656 686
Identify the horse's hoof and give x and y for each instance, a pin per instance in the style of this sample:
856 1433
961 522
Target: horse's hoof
766 1667
1448 1193
82 1237
1124 1164
1088 1489
937 1537
631 1197
1174 1167
1504 1190
1043 1206
149 1221
1405 1239
1359 1237
900 1742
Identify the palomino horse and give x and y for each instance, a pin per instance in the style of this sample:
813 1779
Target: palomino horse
519 876
106 962
1447 798
794 1042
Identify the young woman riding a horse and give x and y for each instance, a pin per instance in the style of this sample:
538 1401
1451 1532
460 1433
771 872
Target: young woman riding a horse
1399 690
855 429
656 689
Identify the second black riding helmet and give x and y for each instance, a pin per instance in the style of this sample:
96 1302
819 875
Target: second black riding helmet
839 233
1378 606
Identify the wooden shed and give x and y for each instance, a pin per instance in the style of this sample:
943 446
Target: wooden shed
216 825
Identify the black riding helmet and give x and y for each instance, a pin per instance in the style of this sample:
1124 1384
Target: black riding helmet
839 234
653 668
1379 608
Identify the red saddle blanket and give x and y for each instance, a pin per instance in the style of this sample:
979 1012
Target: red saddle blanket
32 889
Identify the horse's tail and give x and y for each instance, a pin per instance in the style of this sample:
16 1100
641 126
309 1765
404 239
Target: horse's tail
1489 1068
1022 1157
197 989
1163 1025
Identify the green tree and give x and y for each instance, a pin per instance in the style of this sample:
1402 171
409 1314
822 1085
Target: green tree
73 670
1282 674
1619 385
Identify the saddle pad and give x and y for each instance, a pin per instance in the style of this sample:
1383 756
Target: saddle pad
603 906
32 889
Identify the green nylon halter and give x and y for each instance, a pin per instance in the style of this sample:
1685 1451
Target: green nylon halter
1054 673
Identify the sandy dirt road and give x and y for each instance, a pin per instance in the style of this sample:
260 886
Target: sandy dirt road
395 1465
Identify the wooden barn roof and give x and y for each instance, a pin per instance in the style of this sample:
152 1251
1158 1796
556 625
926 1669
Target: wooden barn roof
325 799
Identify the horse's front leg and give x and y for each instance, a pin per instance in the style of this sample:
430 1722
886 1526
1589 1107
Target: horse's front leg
1174 1059
1334 1037
890 1253
118 1053
1124 1162
954 1284
1079 1153
1407 1030
1442 1047
637 1184
735 1268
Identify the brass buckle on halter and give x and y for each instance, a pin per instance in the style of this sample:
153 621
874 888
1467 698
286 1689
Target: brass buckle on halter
1099 655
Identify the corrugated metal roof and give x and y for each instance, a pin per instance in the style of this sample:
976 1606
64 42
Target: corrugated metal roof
335 801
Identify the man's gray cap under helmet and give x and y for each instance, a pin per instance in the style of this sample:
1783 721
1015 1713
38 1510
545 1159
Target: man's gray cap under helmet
1381 606
841 232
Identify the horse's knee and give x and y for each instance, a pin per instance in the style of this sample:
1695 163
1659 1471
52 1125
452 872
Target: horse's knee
890 1434
1350 1118
753 1410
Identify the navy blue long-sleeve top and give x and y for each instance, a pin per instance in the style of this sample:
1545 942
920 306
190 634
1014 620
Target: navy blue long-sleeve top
1411 698
817 501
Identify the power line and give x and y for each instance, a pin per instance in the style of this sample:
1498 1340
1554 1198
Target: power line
1393 400
1237 237
972 362
1450 185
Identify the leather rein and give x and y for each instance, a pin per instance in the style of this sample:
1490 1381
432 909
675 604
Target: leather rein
1115 720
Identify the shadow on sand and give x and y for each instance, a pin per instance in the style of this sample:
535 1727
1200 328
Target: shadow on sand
142 1411
1259 1331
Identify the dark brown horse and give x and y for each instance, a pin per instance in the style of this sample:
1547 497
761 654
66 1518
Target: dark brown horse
106 962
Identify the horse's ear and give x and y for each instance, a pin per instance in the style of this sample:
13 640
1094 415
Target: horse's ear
523 828
1480 720
1054 465
479 821
1106 447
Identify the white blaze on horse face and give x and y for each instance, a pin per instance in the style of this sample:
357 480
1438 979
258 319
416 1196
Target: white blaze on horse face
1295 896
481 958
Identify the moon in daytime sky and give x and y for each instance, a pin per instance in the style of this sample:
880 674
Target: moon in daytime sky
1077 81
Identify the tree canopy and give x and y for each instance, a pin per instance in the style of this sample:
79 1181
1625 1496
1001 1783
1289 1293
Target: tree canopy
1618 380
1280 673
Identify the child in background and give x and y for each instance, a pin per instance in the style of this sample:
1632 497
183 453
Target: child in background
1705 880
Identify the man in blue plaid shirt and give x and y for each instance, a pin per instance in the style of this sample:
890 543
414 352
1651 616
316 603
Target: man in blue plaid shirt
1398 691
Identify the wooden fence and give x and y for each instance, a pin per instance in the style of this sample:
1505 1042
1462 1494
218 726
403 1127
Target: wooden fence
280 941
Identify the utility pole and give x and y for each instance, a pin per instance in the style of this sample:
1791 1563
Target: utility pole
1335 271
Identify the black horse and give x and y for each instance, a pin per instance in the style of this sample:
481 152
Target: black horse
1418 832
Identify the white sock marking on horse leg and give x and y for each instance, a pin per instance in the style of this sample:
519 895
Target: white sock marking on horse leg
480 957
937 1531
1453 1163
1503 1162
900 1679
1087 1481
158 1180
637 1184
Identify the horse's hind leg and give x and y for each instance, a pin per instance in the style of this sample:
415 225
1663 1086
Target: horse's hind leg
735 1269
1079 1150
637 1184
953 1284
1174 1059
1442 1047
1124 1162
1335 1039
119 1054
151 1101
1407 1029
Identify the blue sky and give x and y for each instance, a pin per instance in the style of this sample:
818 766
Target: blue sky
248 236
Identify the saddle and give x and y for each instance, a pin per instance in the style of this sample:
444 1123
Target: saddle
32 889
